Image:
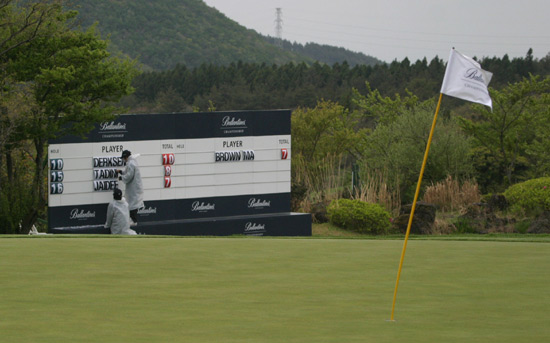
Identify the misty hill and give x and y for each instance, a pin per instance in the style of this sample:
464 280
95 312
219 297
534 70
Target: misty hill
164 33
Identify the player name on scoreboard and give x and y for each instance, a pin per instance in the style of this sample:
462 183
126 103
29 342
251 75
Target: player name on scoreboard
106 179
110 161
105 173
235 156
105 185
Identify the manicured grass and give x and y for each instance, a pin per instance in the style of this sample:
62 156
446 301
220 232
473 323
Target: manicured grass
106 289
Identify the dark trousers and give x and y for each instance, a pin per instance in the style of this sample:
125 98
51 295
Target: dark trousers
133 215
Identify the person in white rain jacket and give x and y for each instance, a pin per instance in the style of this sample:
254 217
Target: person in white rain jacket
118 219
134 187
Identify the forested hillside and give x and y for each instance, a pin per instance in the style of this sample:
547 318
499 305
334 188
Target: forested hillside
164 33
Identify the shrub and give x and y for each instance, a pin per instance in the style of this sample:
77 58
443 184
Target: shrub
530 197
465 225
522 226
359 216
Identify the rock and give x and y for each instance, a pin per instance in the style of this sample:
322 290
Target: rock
481 218
497 202
423 219
541 224
477 210
319 212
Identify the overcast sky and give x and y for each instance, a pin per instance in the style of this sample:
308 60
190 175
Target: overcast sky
395 29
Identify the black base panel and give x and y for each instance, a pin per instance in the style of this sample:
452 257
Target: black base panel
274 224
174 209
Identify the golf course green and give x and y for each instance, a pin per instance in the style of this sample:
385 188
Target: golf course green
136 289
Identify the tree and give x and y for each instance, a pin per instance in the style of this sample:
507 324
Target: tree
396 148
22 23
71 80
323 139
506 134
377 109
327 129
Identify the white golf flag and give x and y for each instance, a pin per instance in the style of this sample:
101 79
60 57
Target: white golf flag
464 79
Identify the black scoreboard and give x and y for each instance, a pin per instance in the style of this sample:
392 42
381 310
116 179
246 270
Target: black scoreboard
213 173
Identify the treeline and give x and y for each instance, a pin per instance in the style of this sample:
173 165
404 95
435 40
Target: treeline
326 53
243 86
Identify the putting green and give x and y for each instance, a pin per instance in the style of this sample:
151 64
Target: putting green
271 290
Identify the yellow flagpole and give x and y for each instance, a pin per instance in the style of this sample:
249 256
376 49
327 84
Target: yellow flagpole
414 205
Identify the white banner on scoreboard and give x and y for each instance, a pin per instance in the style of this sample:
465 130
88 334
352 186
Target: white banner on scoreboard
87 168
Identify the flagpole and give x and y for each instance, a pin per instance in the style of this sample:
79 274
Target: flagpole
414 205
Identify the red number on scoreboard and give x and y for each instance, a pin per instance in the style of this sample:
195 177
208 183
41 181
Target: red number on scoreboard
284 154
168 159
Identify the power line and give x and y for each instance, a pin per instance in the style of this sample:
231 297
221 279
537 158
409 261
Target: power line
419 32
385 37
490 44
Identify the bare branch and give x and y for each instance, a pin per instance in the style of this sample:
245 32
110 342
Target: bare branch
34 19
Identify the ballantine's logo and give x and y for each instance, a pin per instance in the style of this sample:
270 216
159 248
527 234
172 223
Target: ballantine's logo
232 122
254 228
76 214
202 207
147 210
474 74
112 126
258 203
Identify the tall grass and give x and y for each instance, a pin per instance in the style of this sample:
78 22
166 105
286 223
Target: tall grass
374 189
324 180
451 195
330 179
